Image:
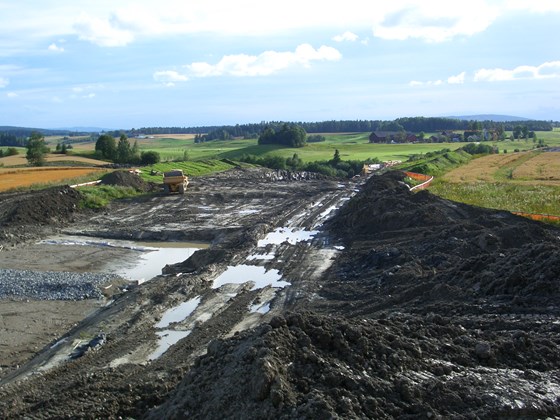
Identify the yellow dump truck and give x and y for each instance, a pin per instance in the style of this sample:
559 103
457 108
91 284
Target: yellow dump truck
175 181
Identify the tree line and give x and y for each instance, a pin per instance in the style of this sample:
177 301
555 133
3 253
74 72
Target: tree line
413 124
106 147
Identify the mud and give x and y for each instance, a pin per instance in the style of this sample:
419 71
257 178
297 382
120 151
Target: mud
392 304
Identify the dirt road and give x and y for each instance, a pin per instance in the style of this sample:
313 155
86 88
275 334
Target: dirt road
315 299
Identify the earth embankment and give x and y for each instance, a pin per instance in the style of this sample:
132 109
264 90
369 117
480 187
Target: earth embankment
400 305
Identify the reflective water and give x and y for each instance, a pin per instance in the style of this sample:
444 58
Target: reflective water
166 339
290 235
243 273
178 313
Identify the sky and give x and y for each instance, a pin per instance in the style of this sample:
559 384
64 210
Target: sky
132 64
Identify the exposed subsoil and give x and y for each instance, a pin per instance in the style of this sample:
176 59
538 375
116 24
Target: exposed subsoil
401 305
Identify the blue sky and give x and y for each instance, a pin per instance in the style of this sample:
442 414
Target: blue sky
131 64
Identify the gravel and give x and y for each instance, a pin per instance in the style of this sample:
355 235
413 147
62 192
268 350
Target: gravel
51 285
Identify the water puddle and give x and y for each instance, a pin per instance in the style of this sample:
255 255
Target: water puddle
178 313
244 273
260 308
292 236
167 338
146 259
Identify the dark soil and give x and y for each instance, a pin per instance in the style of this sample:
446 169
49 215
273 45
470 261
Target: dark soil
127 179
434 309
24 214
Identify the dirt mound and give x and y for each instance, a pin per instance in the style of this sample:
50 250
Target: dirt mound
49 206
415 251
305 365
126 179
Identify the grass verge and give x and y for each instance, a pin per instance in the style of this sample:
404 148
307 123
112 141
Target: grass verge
96 197
540 199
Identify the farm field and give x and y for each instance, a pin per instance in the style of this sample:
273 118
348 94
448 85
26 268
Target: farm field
20 160
11 178
352 146
524 182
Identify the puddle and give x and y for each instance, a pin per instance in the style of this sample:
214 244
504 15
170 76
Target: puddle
328 211
149 260
178 313
261 308
243 273
292 236
167 338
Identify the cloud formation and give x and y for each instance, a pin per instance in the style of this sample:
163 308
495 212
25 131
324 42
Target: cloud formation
457 80
346 36
544 71
264 64
169 77
55 48
434 20
103 32
4 82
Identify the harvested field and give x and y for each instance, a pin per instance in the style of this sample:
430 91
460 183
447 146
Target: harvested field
316 299
20 160
542 167
14 178
523 167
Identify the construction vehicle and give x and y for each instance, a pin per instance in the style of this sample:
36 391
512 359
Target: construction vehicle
175 181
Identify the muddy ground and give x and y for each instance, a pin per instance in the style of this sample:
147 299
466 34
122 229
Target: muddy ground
316 299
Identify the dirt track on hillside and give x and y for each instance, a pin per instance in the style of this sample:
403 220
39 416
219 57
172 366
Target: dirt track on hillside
401 305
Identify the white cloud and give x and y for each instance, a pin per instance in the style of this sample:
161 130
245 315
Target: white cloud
110 23
55 48
434 20
12 95
169 76
414 83
544 71
457 80
103 32
4 82
264 64
346 36
535 6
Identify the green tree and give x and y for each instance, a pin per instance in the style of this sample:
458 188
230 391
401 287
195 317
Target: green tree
123 149
135 152
36 149
336 158
150 157
106 147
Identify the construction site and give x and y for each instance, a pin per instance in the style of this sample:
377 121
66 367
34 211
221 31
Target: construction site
258 293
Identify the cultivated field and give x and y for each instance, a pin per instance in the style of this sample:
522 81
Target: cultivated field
536 168
17 178
524 182
20 160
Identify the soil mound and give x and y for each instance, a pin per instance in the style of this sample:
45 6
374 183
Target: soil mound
126 179
49 206
306 365
418 250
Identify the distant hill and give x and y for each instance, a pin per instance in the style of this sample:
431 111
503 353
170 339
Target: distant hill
489 117
85 129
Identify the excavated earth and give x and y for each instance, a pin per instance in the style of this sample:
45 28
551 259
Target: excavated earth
314 299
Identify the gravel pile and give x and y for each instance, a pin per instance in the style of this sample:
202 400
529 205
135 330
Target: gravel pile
50 285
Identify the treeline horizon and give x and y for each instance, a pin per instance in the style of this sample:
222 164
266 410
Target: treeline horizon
412 124
17 136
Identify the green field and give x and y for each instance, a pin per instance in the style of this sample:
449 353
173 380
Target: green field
353 146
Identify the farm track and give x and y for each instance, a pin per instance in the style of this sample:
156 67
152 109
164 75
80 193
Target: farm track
399 305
